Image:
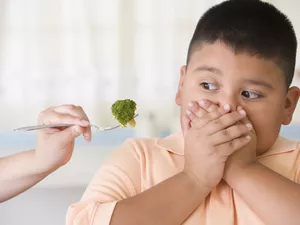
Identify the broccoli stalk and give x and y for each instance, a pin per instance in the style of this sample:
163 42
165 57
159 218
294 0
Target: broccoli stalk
124 111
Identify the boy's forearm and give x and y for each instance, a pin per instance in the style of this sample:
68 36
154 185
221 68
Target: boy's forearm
18 173
167 203
274 198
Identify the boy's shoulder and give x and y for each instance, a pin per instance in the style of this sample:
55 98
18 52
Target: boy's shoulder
281 146
173 143
283 157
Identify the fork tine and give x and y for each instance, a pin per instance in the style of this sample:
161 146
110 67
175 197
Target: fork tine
111 128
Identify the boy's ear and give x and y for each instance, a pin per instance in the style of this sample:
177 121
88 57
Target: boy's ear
180 85
290 104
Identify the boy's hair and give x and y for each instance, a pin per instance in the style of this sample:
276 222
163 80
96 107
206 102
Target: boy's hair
250 26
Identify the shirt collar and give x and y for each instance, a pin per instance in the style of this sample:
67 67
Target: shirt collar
175 144
282 145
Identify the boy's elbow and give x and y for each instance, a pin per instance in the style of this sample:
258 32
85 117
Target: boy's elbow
92 213
79 213
72 213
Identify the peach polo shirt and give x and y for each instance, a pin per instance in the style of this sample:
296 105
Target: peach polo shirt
140 164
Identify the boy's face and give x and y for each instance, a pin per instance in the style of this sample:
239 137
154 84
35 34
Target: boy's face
217 74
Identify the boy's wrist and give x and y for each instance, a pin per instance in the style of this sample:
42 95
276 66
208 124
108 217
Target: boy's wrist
234 172
192 181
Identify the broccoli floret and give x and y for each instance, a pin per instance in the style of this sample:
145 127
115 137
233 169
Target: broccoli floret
124 111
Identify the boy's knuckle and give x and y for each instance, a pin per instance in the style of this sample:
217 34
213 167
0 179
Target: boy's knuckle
200 122
211 107
225 132
232 117
231 144
221 110
216 122
195 122
242 128
217 114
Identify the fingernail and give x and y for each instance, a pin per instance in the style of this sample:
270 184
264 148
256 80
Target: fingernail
190 105
87 138
248 137
85 123
242 112
188 112
249 126
226 107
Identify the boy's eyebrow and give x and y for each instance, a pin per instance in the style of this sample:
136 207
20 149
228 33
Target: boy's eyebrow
210 69
259 83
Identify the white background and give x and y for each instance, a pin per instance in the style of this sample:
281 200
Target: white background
91 52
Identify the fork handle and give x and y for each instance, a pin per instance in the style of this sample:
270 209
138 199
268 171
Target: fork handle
39 127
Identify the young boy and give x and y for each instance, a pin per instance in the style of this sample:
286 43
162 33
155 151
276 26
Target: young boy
229 165
54 149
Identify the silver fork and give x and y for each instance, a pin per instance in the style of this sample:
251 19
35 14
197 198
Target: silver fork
59 125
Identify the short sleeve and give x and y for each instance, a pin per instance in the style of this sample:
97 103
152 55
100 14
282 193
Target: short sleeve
118 178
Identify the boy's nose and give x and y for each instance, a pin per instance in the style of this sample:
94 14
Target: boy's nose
230 100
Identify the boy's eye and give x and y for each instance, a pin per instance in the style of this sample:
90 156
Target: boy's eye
250 95
208 86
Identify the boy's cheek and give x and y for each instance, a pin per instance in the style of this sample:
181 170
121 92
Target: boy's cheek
266 128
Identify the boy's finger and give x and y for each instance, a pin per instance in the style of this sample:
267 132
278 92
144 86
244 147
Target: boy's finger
209 117
224 121
245 120
208 105
230 133
202 108
196 110
230 147
191 115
